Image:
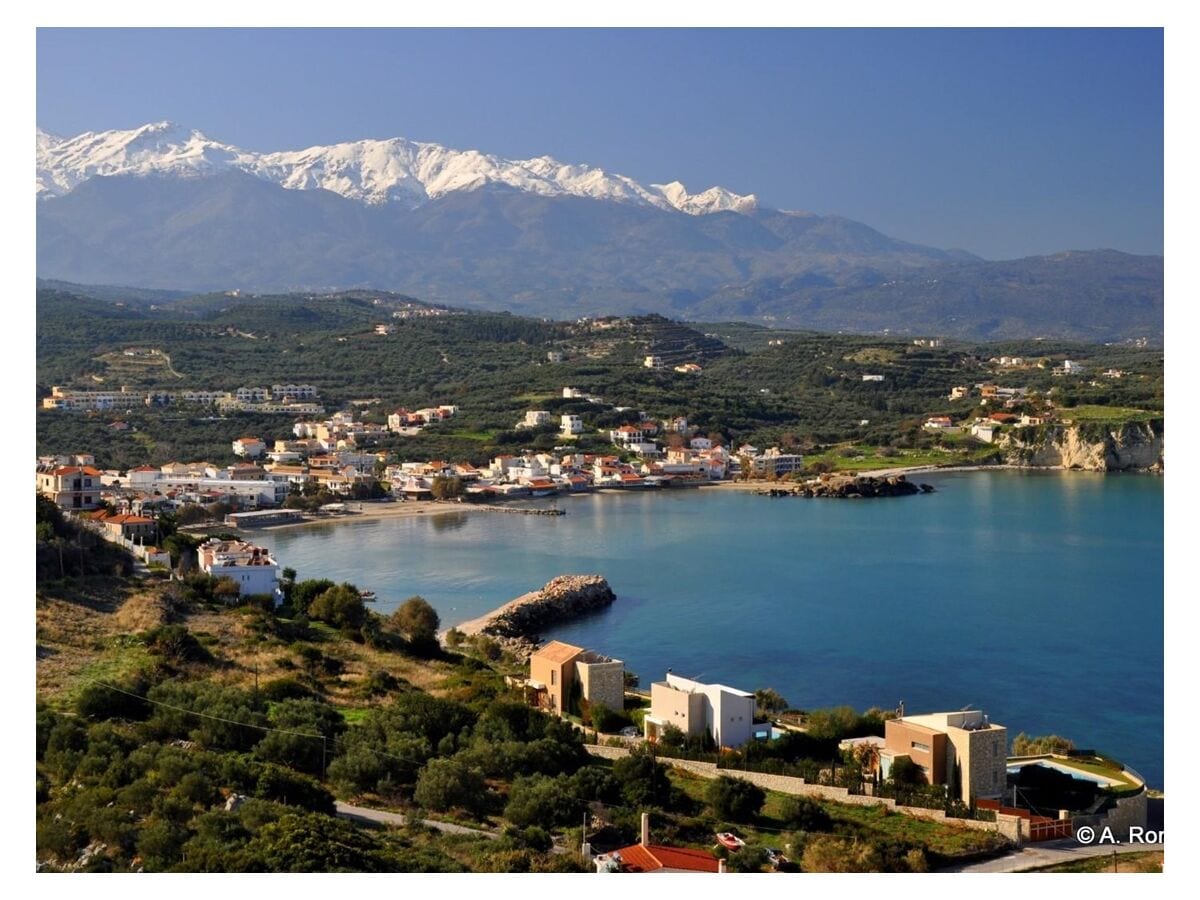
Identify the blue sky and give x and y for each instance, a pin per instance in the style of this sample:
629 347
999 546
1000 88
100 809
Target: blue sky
1005 142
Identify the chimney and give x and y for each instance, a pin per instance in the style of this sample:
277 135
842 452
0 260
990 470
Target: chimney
721 867
645 829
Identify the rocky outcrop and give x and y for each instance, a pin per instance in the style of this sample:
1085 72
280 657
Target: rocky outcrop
1090 446
852 487
518 624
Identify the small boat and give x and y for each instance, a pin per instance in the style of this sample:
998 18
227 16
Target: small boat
730 841
368 596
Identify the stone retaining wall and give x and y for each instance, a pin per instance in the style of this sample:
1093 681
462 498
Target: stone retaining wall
788 784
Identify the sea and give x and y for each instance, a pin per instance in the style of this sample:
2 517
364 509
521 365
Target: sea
1034 596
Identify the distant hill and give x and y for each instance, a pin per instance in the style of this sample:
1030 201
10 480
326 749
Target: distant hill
1095 296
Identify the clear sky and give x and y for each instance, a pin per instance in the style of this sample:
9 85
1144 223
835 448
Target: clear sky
1005 142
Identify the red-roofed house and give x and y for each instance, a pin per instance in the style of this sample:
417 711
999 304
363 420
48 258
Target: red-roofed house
648 857
130 526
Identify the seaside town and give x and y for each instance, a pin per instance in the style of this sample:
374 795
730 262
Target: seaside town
422 488
330 468
336 456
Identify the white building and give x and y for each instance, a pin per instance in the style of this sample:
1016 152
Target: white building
872 378
293 391
249 447
65 399
251 493
776 462
653 362
534 418
572 425
250 567
554 356
570 393
726 713
252 395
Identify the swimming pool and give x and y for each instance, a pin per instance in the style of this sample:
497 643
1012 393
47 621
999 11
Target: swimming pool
1081 774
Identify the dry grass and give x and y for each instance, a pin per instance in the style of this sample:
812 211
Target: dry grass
88 634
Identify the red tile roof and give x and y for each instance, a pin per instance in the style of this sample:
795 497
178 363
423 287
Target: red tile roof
75 470
652 857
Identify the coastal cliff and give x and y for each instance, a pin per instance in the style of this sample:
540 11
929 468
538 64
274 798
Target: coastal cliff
1090 446
519 623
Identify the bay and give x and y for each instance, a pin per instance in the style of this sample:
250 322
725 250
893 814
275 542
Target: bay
1036 596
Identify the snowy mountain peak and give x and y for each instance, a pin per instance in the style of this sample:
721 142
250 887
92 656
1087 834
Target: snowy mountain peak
394 170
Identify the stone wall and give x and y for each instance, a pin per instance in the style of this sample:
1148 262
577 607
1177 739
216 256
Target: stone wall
787 784
1128 812
603 683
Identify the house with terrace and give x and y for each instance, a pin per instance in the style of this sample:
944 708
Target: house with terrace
564 678
962 750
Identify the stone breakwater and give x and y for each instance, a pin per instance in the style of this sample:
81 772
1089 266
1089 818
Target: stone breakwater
518 624
519 510
852 487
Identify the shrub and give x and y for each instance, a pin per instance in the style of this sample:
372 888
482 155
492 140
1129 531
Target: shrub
542 800
416 620
804 814
175 643
100 701
734 799
446 784
285 689
340 606
605 719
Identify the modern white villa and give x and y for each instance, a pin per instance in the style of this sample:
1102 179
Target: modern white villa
725 713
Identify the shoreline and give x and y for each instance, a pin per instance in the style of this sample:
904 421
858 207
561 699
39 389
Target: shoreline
476 625
377 512
409 509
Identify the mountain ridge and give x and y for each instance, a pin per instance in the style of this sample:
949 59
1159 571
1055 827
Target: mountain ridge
372 171
167 210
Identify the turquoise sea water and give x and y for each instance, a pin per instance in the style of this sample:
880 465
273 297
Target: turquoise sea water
1037 597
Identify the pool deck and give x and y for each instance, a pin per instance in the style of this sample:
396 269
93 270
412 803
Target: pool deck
1118 779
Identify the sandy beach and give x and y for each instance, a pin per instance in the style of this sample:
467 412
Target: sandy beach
475 626
374 512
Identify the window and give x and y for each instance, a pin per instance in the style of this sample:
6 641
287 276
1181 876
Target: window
552 674
917 745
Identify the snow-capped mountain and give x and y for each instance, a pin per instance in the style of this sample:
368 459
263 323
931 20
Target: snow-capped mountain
375 172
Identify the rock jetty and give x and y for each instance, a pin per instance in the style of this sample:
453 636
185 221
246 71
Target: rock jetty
518 624
852 487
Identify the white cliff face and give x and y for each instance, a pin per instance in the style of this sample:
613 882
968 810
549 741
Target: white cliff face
396 170
1068 447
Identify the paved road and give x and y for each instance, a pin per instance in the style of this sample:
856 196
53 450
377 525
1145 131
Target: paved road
381 817
1034 856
